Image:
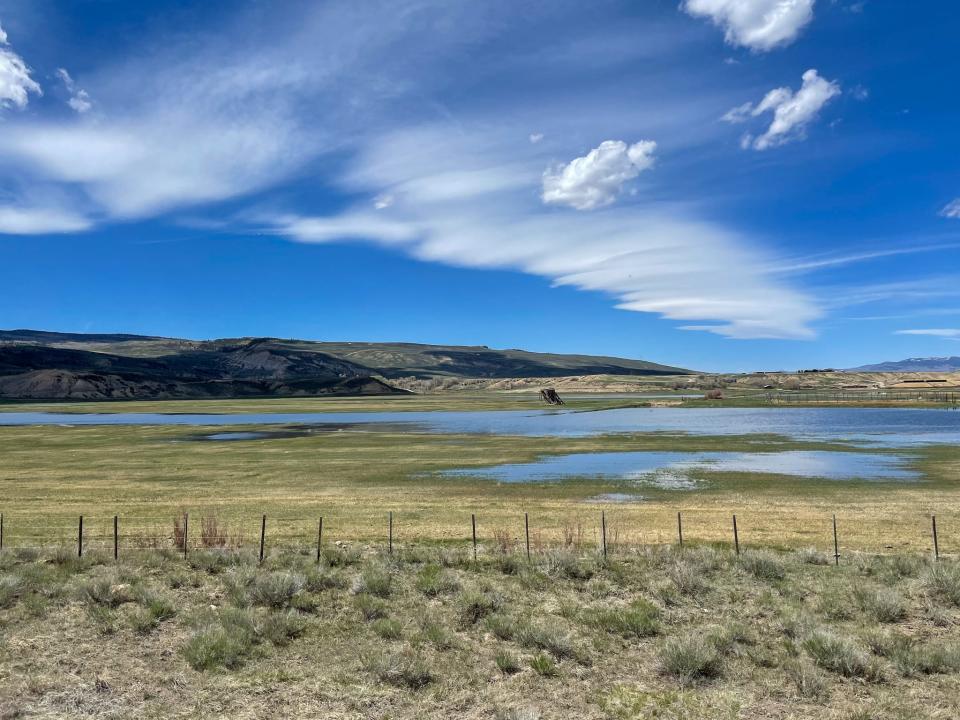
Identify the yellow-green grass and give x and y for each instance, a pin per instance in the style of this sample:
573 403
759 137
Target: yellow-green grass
429 633
147 474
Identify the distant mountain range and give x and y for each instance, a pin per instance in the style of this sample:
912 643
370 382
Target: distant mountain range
51 365
929 364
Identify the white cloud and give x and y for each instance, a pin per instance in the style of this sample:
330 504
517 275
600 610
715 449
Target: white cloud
79 99
951 209
536 137
934 332
595 180
757 24
739 114
383 201
792 112
15 81
220 115
287 101
39 221
651 257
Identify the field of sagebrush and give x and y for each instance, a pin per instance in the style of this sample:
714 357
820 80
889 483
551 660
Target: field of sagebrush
426 631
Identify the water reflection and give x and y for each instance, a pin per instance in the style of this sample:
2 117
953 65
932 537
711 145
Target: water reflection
680 470
867 426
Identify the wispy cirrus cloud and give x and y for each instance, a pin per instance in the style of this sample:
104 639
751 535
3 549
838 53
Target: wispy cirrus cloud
760 25
951 333
898 291
792 111
79 99
40 220
187 127
951 209
832 260
651 257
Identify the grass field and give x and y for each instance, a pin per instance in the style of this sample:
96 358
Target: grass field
692 634
147 474
652 631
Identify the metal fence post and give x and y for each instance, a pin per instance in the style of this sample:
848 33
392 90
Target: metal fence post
603 532
319 537
263 535
736 536
473 526
836 543
526 528
936 544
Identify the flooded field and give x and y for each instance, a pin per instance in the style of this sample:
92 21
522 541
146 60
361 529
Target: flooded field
685 470
865 426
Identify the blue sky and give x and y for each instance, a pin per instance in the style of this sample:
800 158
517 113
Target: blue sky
718 184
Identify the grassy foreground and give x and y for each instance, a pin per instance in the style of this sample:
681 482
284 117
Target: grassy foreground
148 474
694 633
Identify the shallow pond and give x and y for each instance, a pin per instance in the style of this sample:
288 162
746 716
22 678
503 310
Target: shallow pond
679 470
871 426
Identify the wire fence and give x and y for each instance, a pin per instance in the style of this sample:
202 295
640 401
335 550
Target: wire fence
185 533
827 397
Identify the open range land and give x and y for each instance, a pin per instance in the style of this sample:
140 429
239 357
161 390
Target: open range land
395 612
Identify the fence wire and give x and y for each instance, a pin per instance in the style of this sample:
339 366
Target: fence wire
186 532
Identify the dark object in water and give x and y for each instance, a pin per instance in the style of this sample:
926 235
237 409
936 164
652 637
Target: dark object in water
549 396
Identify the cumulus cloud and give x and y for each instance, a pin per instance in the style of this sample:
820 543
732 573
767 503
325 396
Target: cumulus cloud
79 98
595 180
651 257
792 112
760 25
951 209
15 81
934 332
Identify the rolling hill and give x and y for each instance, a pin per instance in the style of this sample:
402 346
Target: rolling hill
39 364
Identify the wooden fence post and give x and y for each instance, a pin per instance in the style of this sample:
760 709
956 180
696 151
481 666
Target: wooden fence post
680 529
603 532
263 535
80 538
1 531
836 544
390 532
473 525
116 538
736 537
526 528
186 530
319 537
936 544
